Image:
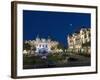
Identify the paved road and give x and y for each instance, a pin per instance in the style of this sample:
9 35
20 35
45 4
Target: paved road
77 60
70 61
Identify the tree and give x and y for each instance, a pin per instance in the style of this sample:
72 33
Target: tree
26 46
60 46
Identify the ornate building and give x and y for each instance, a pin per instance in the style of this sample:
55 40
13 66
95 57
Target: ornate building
42 45
79 41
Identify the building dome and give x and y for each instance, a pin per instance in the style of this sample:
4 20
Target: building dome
43 40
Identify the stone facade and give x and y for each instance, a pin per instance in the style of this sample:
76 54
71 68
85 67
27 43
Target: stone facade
42 45
78 39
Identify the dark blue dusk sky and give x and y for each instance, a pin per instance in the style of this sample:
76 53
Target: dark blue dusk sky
56 25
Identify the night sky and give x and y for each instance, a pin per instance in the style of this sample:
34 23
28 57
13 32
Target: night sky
56 25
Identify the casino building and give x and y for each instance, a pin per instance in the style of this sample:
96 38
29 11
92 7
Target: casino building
42 45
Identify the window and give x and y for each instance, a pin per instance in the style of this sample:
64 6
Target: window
46 46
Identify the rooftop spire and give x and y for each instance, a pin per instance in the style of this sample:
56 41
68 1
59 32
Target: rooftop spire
37 38
49 39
